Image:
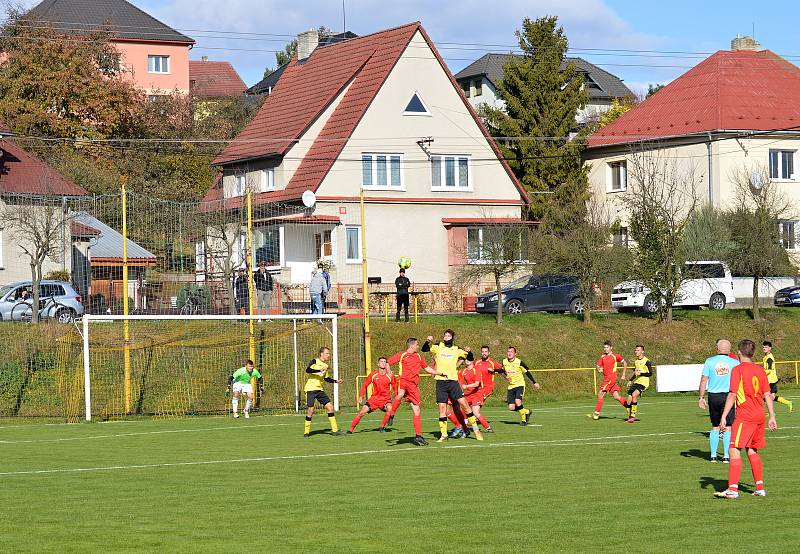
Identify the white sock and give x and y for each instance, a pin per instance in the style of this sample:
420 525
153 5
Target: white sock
247 405
235 404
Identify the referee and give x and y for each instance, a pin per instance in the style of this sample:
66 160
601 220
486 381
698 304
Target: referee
402 283
716 380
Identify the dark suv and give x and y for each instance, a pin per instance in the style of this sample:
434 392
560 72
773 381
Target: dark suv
535 293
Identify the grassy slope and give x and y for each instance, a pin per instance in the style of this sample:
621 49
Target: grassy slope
571 484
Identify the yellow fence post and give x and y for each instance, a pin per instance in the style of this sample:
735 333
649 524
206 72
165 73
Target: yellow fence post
386 309
364 290
796 380
416 309
594 382
126 324
250 286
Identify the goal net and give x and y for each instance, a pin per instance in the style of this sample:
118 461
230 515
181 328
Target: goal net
172 366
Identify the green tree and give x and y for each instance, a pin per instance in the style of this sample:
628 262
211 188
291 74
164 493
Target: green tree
708 235
51 86
653 88
542 99
617 109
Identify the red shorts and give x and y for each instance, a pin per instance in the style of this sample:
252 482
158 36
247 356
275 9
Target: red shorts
412 392
610 387
748 435
377 403
476 399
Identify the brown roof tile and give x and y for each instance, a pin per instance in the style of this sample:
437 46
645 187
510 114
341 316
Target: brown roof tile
214 79
23 173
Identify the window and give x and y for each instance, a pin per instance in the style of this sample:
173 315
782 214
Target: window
269 249
450 172
381 171
240 185
267 180
619 176
324 246
478 87
465 88
487 244
781 164
621 237
353 244
705 271
415 106
46 291
787 230
158 64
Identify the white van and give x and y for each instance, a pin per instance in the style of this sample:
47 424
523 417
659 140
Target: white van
711 285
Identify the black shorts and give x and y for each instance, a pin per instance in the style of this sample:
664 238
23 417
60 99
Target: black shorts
635 387
319 395
448 390
716 403
515 394
773 388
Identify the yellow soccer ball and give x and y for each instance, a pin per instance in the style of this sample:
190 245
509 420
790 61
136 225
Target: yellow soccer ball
404 262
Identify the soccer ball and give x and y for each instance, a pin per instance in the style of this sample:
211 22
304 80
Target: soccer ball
404 262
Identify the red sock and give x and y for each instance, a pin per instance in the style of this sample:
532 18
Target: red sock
395 405
734 472
758 470
483 421
623 402
355 422
418 425
386 418
599 406
454 418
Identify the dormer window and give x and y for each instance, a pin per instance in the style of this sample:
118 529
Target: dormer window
416 106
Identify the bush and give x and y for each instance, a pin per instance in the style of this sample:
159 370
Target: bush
97 304
59 275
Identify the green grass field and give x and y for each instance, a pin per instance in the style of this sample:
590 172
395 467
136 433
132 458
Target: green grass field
567 483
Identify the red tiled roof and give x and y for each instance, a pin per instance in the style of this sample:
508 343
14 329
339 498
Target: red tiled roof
214 79
309 87
4 131
730 90
306 219
463 221
77 229
23 173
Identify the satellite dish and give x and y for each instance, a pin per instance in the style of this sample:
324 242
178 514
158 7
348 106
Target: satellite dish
309 199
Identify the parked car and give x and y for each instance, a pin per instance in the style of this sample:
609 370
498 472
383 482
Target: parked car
535 293
711 285
788 296
64 307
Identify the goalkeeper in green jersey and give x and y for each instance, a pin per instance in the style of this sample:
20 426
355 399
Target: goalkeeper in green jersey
241 382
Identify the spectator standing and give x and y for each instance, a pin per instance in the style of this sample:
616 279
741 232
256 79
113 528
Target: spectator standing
402 284
327 277
262 279
316 288
241 290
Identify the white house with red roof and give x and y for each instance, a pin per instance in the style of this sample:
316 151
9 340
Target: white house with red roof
738 110
384 114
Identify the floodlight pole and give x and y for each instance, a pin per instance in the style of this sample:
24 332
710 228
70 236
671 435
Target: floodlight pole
364 289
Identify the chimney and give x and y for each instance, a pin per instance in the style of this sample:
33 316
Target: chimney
745 43
307 41
204 58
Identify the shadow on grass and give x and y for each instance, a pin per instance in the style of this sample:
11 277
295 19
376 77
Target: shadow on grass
695 453
714 484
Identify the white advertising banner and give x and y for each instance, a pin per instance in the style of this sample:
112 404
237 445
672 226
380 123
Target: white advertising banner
678 378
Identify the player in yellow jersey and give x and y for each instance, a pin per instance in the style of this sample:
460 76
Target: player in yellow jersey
772 375
317 372
446 358
640 380
515 371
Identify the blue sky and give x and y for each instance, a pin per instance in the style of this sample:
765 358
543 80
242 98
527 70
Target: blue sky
678 25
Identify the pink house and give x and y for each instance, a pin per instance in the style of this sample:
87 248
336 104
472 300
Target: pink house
155 57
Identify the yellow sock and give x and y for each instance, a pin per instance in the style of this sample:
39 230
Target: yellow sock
523 412
472 422
334 426
443 428
307 428
634 409
782 400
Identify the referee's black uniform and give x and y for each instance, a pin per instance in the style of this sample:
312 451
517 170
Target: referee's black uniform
402 284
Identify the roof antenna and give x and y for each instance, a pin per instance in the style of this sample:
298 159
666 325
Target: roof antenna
754 30
344 18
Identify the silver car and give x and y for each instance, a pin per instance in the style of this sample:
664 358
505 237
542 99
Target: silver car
57 301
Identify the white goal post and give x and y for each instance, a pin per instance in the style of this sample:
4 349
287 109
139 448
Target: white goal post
295 325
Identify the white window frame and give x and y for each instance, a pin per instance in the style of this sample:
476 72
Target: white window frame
239 185
780 154
267 180
347 229
795 226
374 162
480 259
426 113
442 158
623 164
161 58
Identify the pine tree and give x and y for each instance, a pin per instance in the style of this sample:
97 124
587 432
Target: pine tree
542 96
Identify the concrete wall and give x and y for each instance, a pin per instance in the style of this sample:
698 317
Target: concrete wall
134 60
15 264
743 286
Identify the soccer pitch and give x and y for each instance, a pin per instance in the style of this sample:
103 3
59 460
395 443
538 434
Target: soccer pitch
564 483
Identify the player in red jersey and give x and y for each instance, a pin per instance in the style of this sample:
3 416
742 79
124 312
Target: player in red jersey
607 364
486 367
749 390
411 362
383 383
470 380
